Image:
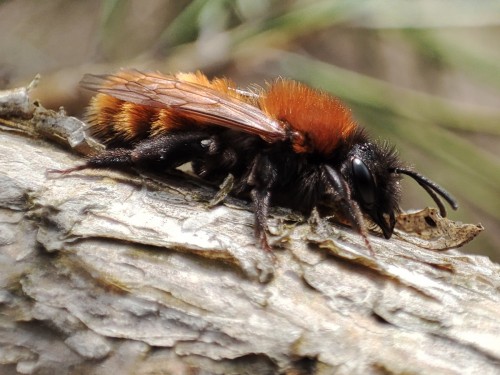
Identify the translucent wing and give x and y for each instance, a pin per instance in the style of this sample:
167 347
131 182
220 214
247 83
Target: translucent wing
192 100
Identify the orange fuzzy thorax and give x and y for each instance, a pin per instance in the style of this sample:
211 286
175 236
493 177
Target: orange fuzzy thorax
319 121
323 119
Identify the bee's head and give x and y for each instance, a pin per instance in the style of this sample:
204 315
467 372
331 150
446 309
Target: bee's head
373 173
368 170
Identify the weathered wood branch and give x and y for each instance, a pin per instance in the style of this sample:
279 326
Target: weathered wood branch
105 272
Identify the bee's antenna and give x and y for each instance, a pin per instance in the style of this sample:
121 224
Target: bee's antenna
431 188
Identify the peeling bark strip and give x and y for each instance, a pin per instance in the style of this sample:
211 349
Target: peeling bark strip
103 272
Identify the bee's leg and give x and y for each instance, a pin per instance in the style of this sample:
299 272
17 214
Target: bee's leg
349 207
224 190
170 151
262 178
113 158
261 200
173 149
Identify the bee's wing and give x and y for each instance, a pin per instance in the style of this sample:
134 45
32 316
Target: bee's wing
189 99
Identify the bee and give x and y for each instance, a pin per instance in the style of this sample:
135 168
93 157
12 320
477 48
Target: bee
285 144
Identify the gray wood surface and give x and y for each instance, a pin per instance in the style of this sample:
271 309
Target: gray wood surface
104 272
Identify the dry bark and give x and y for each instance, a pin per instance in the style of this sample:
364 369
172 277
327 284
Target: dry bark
105 272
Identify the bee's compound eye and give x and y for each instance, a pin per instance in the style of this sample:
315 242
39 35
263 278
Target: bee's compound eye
363 183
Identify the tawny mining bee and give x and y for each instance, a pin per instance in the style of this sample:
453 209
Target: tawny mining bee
286 144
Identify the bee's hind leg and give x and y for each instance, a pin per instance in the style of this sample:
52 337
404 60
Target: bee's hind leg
113 158
167 151
171 150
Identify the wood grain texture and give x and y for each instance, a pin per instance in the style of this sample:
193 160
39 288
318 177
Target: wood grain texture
106 272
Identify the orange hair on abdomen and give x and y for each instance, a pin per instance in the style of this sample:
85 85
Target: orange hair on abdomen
112 120
323 119
120 123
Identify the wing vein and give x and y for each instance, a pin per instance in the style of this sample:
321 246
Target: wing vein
193 100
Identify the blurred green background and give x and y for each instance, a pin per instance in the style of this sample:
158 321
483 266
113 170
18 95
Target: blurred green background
423 74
